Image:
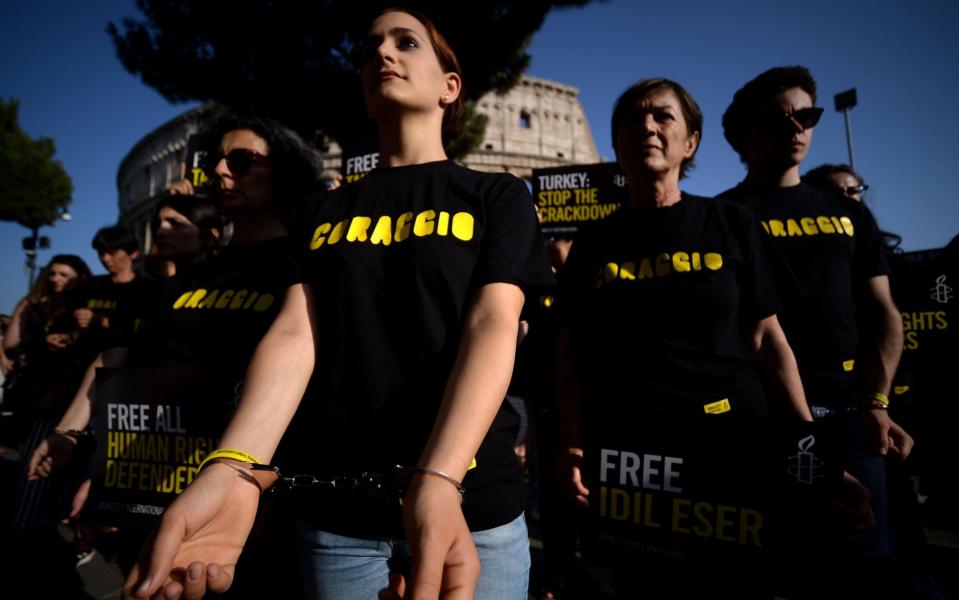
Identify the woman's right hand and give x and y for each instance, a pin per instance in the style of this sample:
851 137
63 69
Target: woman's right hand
55 450
198 541
571 476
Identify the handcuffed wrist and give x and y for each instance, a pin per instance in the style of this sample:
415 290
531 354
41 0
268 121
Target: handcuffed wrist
246 465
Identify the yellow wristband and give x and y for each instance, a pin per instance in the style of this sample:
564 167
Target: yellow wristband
880 398
229 453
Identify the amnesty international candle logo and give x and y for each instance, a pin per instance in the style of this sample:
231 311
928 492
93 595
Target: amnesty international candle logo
804 465
941 292
154 427
700 488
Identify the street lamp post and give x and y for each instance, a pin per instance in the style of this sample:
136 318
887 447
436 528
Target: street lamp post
31 244
35 242
845 101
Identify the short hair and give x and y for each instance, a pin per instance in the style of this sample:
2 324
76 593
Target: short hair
453 113
643 88
202 212
115 237
738 118
294 166
820 176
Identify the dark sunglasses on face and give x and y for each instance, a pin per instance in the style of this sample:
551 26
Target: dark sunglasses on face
238 160
852 190
807 118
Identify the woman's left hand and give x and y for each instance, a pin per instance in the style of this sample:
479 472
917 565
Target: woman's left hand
445 562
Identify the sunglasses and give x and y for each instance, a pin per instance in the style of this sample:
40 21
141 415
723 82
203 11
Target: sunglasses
852 190
238 160
807 118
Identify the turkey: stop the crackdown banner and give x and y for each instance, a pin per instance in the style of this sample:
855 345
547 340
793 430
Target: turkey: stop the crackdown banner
575 195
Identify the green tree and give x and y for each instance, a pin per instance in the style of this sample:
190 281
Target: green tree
299 61
34 188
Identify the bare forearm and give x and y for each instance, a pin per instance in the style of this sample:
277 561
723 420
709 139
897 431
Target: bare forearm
881 368
78 414
882 359
274 385
474 393
779 362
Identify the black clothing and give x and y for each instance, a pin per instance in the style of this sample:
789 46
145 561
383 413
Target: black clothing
115 308
829 247
395 260
214 313
662 304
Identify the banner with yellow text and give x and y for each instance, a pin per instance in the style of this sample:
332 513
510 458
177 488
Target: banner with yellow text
708 488
153 428
571 196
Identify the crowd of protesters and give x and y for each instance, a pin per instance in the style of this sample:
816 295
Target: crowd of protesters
368 336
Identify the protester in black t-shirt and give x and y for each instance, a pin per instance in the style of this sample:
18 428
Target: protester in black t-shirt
417 273
672 294
186 232
105 304
215 310
832 269
843 180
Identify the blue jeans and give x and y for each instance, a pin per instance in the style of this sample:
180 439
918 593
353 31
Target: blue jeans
337 567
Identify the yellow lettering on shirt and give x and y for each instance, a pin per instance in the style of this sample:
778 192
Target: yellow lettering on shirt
805 226
319 236
713 261
227 299
337 234
382 233
793 227
443 224
423 224
403 226
358 229
662 265
645 269
361 228
238 299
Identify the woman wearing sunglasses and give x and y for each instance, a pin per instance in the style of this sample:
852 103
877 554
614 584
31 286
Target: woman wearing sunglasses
839 178
218 306
408 328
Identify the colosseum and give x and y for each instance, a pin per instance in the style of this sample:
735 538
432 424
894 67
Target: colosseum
539 123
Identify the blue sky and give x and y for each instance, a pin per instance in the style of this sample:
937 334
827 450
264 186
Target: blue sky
57 59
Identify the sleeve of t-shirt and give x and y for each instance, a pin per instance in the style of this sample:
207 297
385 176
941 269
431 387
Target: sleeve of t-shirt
759 294
870 258
302 217
512 249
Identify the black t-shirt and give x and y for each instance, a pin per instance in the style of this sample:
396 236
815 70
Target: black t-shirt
662 304
394 261
115 308
214 313
828 247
